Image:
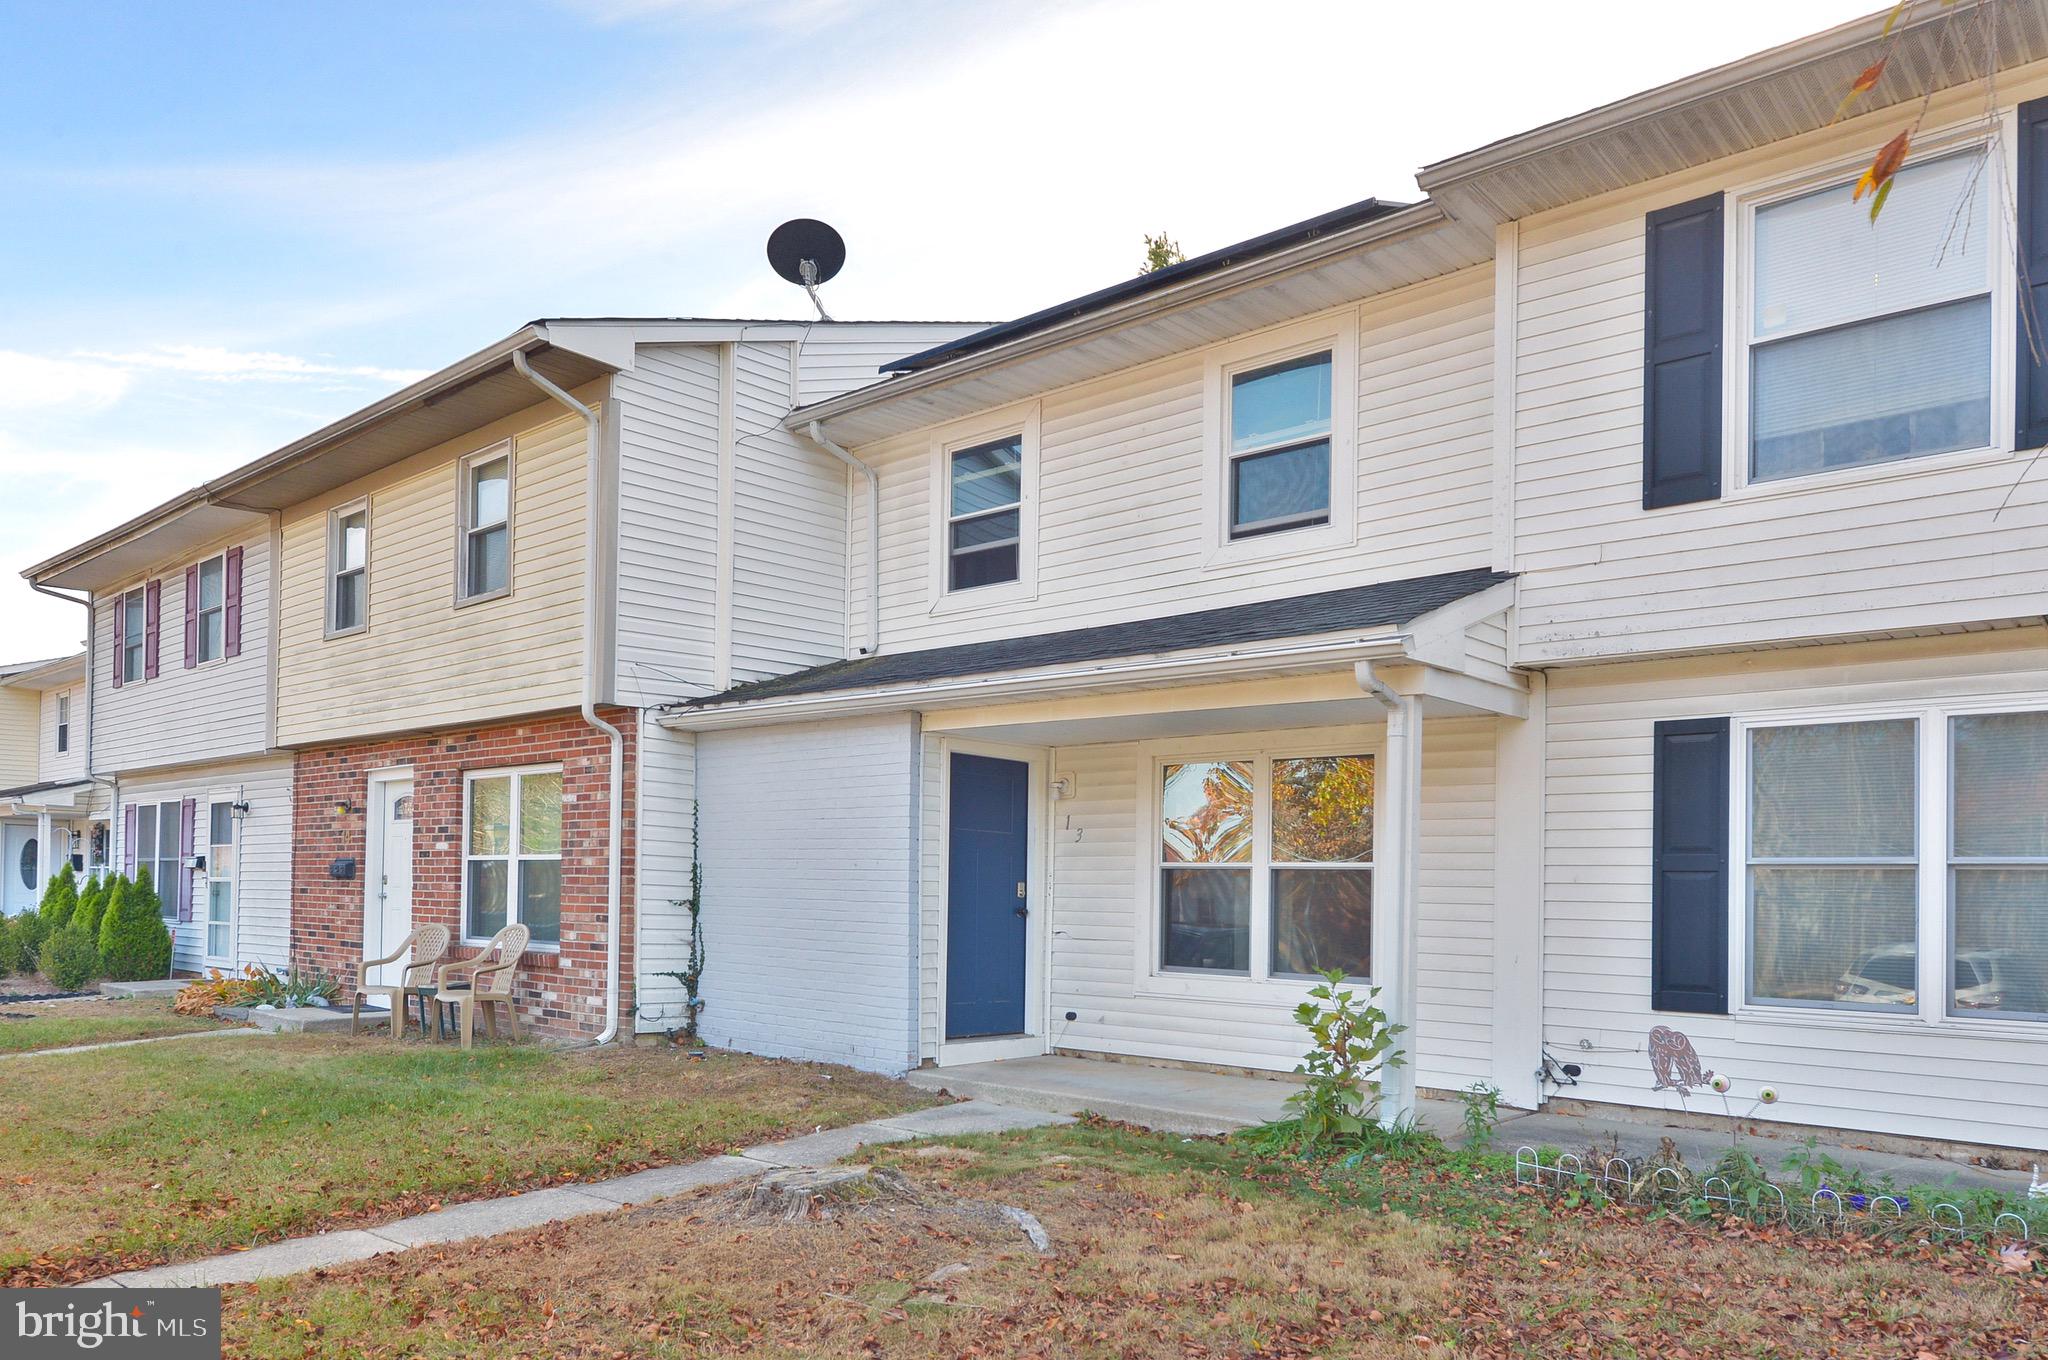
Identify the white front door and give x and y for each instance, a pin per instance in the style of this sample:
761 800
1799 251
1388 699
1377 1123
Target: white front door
389 906
17 868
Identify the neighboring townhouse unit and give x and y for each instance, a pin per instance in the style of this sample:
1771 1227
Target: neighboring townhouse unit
50 812
479 583
1607 594
179 737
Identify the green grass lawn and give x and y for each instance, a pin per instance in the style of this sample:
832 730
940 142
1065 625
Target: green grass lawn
28 1026
1164 1248
132 1156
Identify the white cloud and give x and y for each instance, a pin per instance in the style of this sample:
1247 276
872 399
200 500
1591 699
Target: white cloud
211 363
29 381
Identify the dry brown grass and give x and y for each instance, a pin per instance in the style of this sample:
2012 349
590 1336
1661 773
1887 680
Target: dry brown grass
1163 1249
132 1156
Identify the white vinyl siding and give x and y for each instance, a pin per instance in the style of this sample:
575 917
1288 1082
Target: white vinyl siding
430 662
666 766
263 855
809 833
1878 1074
70 762
1122 495
788 566
151 723
1099 905
1918 544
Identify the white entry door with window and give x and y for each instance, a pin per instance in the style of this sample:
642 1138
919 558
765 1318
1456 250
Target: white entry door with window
18 869
388 880
220 882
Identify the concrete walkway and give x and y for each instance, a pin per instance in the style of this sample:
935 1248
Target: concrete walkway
1180 1100
126 1043
489 1217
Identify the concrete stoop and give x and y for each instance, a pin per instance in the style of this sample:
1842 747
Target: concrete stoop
299 1019
1169 1099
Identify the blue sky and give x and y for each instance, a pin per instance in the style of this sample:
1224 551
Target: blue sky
228 224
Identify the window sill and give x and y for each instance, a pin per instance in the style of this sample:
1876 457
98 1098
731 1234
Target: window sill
334 633
464 601
1230 989
1869 1022
1809 483
1281 543
977 598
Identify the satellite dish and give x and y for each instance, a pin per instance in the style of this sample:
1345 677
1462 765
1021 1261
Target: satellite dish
807 252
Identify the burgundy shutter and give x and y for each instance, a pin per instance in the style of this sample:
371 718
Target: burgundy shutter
191 617
152 626
231 592
128 840
120 634
185 820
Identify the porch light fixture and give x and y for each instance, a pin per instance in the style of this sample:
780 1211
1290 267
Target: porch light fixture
342 808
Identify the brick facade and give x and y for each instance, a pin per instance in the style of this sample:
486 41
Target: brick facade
561 993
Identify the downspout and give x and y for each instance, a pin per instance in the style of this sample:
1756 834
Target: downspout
817 433
616 815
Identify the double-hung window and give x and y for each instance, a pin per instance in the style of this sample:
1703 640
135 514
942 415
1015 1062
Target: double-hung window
348 557
1868 341
1864 894
157 837
212 608
486 545
1998 864
1833 850
1279 456
984 513
63 723
513 862
1265 865
134 634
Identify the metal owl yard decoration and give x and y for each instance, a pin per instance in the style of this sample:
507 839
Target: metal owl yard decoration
1674 1063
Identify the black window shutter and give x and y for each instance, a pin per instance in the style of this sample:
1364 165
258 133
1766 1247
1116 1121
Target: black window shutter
2031 427
1682 354
1689 859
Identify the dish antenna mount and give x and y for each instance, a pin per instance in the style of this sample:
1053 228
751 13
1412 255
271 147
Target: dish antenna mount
807 252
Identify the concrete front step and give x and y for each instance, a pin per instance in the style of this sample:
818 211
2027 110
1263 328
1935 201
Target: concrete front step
1170 1099
151 987
299 1019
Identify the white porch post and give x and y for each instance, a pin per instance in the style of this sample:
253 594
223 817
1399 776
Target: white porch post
44 859
1395 877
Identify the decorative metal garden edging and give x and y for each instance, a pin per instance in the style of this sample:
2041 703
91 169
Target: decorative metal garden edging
1827 1210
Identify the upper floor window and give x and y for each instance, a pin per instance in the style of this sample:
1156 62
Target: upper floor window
1872 342
63 723
348 557
134 625
984 524
1279 458
210 608
486 566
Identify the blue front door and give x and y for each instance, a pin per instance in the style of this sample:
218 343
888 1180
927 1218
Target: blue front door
985 903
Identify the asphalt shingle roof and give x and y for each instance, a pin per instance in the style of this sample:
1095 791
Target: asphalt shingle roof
1384 604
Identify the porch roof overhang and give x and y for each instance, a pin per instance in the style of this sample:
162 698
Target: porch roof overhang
59 795
1417 622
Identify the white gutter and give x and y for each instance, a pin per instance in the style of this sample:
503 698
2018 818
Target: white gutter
817 433
791 708
615 824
